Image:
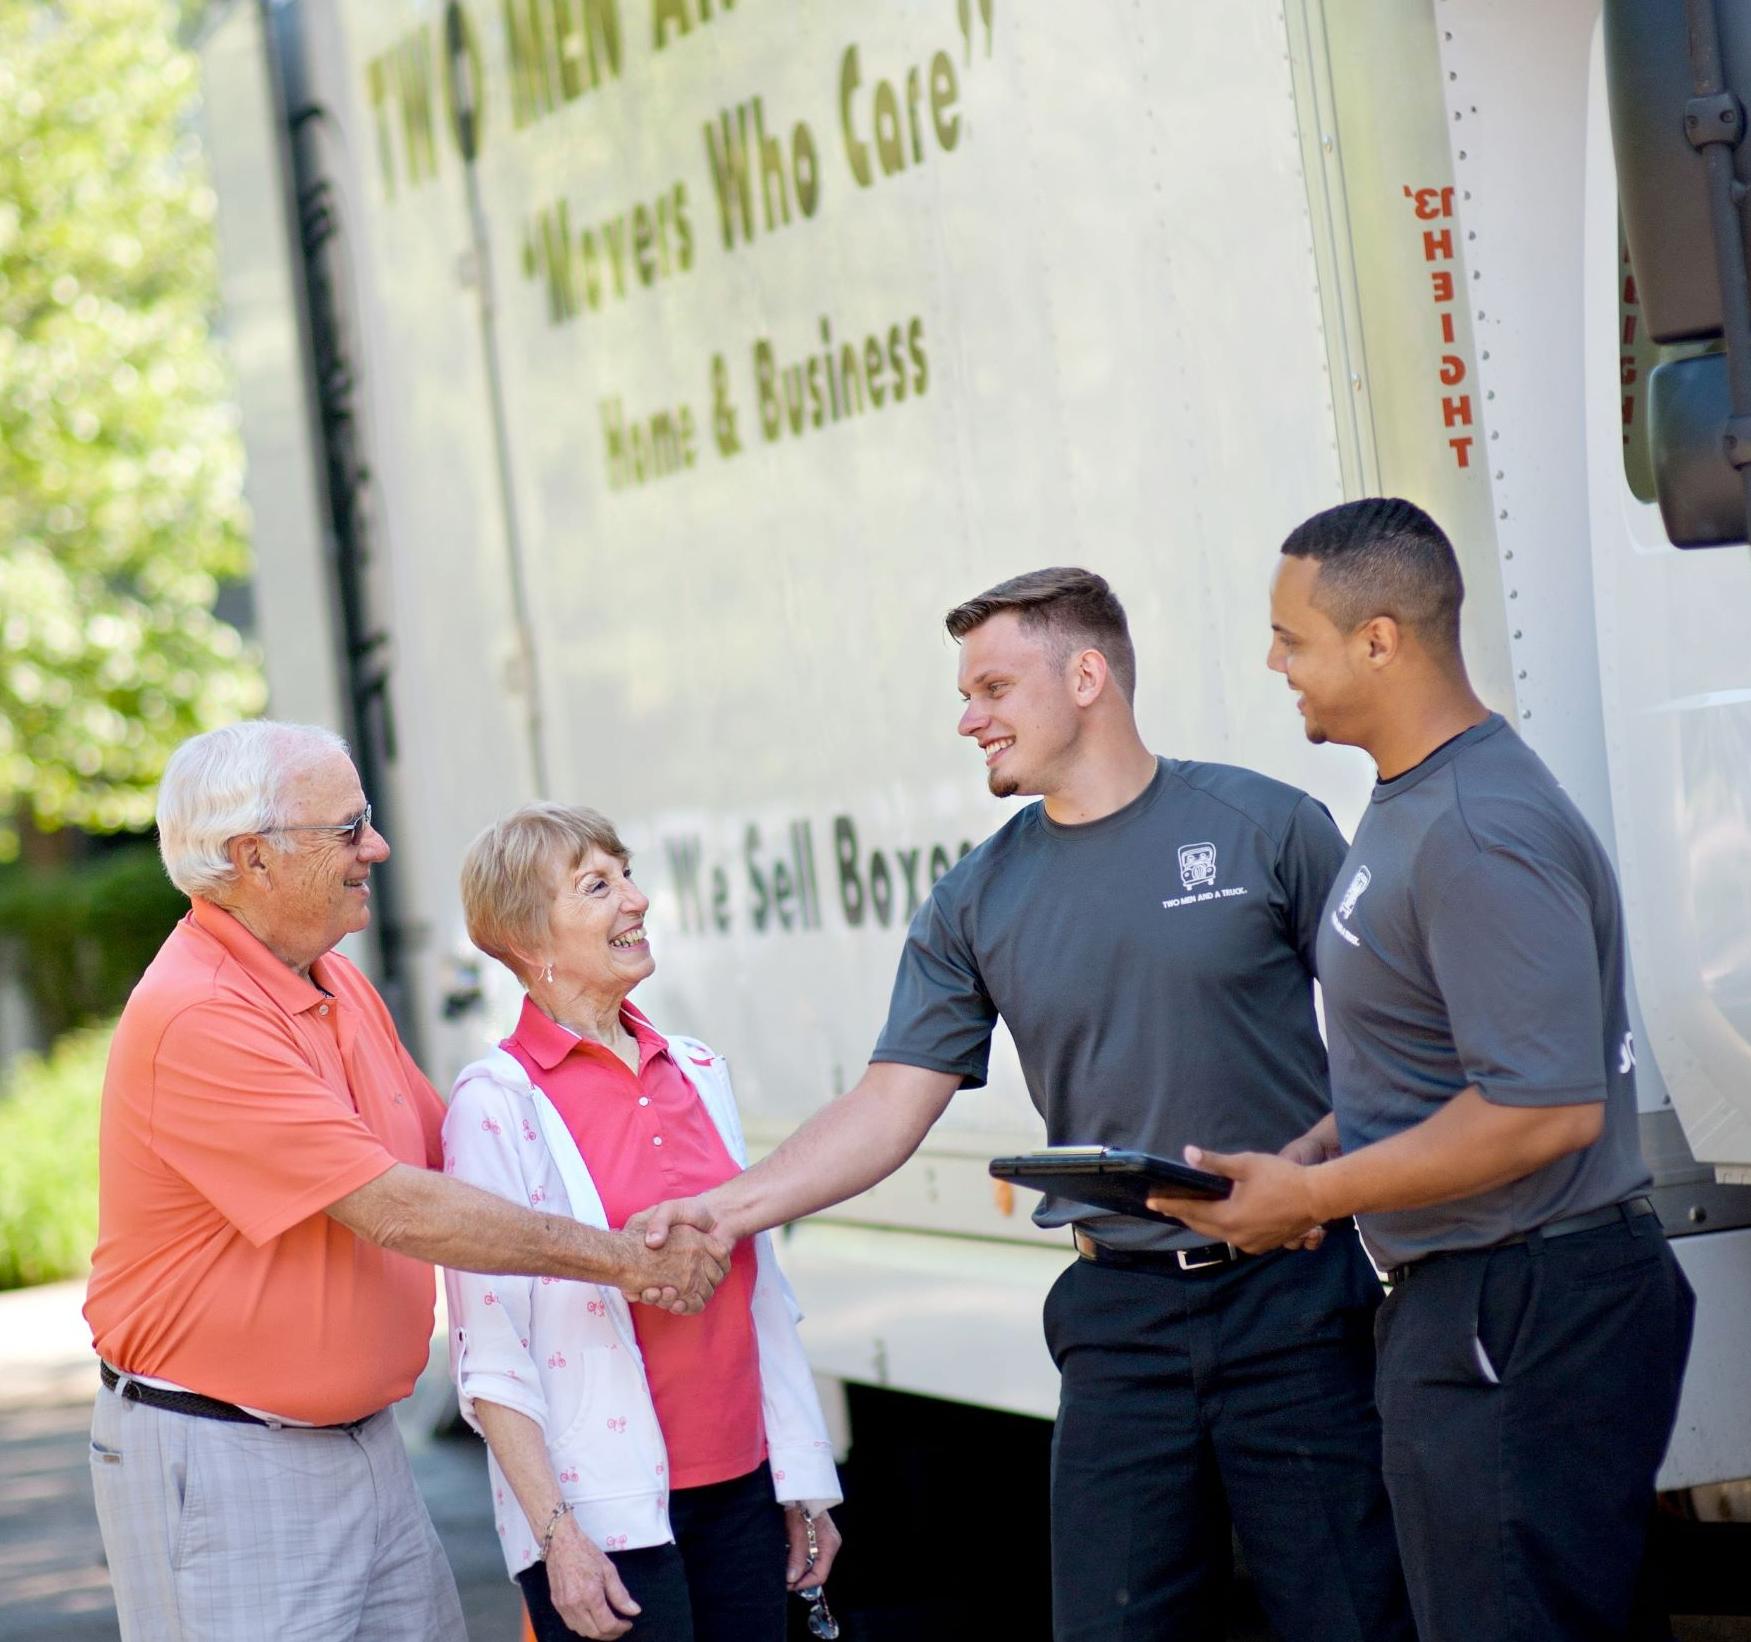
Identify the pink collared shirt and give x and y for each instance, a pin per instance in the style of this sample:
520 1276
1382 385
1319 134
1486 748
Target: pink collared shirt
645 1138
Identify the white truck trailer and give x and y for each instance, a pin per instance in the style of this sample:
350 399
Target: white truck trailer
630 385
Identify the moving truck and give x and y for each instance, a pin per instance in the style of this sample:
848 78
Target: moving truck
629 387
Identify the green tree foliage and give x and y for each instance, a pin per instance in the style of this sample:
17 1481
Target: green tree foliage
121 510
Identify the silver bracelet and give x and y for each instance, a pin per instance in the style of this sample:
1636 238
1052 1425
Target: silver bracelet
563 1509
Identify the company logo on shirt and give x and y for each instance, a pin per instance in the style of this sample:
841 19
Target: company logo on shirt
1197 872
1341 917
1626 1054
1197 865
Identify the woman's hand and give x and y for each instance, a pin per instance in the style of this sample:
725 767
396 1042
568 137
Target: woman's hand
802 1567
585 1584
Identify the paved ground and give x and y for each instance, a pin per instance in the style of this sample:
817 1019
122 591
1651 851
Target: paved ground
53 1584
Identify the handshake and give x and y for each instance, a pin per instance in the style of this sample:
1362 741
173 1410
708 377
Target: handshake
675 1256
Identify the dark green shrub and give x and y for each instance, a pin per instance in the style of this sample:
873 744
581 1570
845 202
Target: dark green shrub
77 937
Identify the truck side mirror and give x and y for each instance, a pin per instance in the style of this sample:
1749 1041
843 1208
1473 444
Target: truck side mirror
1673 215
1702 500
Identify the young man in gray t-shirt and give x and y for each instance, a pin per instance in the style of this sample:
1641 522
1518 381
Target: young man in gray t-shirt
1484 1123
1146 932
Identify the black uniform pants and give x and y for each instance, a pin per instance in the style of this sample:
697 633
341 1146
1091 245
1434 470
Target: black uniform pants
1238 1394
1527 1395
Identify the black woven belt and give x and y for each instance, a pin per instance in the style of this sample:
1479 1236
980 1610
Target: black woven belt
206 1408
1177 1262
1631 1208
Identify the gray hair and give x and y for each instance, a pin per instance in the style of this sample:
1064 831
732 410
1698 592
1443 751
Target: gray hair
224 783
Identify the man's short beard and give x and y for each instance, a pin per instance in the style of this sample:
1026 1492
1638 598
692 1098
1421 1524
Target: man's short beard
1317 736
1002 786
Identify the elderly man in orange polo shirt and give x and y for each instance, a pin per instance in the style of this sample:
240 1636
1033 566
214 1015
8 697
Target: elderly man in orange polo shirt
261 1291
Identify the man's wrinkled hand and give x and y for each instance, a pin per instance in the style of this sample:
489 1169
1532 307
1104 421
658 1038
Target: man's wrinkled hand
656 1221
655 1224
1271 1206
680 1271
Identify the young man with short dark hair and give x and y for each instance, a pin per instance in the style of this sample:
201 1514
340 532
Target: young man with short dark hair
1146 932
1484 1130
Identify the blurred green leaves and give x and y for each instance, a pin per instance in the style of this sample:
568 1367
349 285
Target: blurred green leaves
121 509
81 934
48 1160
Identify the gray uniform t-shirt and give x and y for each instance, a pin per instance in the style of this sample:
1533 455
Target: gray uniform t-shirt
1155 968
1475 937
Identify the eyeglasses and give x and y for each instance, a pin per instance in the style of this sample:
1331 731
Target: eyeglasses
821 1620
351 833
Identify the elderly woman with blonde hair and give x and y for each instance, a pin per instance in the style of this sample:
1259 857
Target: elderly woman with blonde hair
654 1475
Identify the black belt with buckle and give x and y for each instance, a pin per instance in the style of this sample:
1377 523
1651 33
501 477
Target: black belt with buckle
1205 1257
1631 1208
206 1408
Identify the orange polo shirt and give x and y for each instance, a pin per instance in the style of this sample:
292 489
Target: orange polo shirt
240 1100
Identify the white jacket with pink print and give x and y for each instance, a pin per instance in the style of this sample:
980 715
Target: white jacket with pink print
564 1353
